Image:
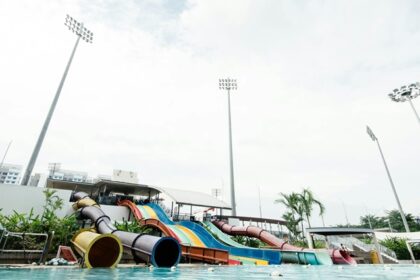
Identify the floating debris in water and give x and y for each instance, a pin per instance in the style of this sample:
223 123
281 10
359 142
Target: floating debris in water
275 273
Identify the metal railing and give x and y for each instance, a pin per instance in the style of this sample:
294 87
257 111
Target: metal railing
5 235
350 241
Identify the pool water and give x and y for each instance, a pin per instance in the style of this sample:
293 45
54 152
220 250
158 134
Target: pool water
220 272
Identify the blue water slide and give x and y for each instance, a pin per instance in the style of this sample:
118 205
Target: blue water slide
161 214
272 256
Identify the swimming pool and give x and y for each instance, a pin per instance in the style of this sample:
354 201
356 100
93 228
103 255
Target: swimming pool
218 272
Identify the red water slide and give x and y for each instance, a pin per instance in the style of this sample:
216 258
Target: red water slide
337 256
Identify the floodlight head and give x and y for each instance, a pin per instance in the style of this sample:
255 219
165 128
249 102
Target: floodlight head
78 28
405 93
228 84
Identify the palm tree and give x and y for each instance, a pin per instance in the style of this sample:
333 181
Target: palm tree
292 224
307 200
293 204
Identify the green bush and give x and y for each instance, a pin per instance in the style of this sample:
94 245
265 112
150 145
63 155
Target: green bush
64 228
399 246
249 241
132 227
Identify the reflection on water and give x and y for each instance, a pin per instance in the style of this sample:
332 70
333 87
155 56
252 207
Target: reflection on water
220 272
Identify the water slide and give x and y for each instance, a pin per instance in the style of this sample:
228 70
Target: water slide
158 251
188 241
222 236
245 255
291 253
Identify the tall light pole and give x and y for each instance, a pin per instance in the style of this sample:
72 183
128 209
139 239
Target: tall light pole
407 229
228 85
259 200
86 35
5 154
406 93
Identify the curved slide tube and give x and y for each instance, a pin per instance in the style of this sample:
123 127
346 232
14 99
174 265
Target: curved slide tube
159 251
341 257
259 255
97 250
208 255
291 254
222 236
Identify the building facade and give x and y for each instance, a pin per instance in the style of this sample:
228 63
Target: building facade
10 174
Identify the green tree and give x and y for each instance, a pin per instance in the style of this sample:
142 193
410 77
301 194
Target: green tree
308 200
294 205
371 220
399 246
292 224
397 223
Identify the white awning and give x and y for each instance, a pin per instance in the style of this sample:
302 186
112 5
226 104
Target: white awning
193 198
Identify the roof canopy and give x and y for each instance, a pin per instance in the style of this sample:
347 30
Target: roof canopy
339 231
194 198
181 197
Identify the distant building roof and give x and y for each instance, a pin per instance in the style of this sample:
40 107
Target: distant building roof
107 186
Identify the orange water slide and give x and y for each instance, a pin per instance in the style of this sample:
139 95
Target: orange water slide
209 255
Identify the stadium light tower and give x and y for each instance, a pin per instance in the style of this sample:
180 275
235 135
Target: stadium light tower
86 35
406 93
407 229
228 85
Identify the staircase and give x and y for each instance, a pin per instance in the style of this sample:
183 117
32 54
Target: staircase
362 249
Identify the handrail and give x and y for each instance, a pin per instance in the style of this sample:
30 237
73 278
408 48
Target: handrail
5 237
350 241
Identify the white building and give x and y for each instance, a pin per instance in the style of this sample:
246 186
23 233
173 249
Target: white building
10 174
66 175
125 176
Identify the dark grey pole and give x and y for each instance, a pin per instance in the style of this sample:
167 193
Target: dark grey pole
407 229
87 36
5 154
41 136
414 110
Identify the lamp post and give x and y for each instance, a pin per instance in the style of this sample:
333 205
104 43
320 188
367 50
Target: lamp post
228 85
406 93
5 154
375 139
86 35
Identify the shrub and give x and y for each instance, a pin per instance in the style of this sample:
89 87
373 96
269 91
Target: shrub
64 228
399 246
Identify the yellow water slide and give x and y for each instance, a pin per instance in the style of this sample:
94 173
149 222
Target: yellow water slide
97 250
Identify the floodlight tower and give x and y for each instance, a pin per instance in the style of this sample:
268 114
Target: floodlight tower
407 228
228 85
406 93
86 35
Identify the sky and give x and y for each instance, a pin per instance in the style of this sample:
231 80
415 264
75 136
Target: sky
144 96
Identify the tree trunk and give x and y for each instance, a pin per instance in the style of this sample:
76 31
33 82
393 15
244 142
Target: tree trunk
307 218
